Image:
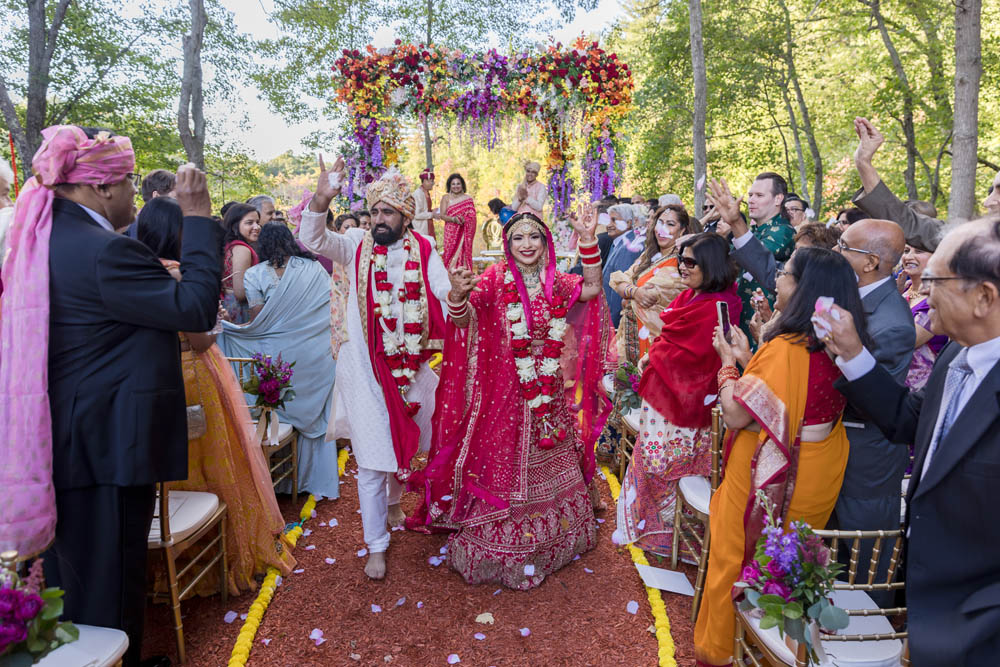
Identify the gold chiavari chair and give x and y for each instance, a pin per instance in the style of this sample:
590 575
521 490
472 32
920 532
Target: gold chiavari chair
695 492
870 638
626 443
285 466
181 520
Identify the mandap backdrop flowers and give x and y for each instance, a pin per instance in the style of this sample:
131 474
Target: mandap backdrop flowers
577 96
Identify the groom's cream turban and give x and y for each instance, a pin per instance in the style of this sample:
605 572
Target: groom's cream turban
394 190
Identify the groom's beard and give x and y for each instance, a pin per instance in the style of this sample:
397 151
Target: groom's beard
386 235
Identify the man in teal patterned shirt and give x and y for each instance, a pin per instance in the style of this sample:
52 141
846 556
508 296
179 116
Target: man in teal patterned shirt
765 201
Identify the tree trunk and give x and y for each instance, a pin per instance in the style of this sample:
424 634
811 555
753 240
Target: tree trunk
700 104
968 70
191 108
793 121
910 174
428 154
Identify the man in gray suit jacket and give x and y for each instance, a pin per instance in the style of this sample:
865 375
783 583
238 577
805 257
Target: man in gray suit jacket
870 495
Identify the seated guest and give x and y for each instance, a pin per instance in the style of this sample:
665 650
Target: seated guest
289 298
816 235
677 383
242 225
951 568
227 460
928 344
99 315
631 221
784 434
650 284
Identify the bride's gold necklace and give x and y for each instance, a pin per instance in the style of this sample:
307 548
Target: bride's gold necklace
532 276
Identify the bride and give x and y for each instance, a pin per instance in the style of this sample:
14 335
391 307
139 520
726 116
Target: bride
519 410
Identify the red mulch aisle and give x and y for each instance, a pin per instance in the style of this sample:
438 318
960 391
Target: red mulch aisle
428 613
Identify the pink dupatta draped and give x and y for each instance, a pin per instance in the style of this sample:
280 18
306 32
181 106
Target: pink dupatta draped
67 155
483 428
458 238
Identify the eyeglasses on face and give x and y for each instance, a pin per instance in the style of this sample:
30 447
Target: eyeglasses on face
844 246
783 272
792 209
928 281
689 262
135 178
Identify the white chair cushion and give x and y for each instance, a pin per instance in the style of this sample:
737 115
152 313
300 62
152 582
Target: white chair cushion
886 653
608 384
284 430
697 491
631 419
189 510
96 647
904 487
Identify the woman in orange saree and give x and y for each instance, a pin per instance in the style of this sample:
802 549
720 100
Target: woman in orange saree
785 435
459 216
227 460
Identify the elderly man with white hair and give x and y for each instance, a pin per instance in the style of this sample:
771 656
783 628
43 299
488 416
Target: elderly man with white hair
625 250
265 207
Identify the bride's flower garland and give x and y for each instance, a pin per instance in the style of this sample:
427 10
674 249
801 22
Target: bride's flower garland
402 353
539 380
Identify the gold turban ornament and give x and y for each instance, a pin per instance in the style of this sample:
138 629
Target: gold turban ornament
393 189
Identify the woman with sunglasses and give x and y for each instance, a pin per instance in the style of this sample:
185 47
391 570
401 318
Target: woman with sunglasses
518 410
678 389
785 436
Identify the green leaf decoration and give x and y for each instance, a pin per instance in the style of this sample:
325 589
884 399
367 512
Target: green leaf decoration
793 610
768 622
796 629
753 597
834 618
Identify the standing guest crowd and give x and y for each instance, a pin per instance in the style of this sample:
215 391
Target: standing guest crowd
851 361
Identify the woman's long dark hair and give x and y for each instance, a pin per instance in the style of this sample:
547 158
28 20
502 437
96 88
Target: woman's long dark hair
159 227
231 223
276 244
447 183
819 272
711 251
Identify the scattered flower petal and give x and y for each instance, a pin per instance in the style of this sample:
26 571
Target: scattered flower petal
243 617
265 642
312 514
307 532
525 632
576 557
376 609
435 560
395 528
445 498
331 561
278 580
641 524
230 616
498 591
588 570
444 549
317 636
298 571
600 521
420 605
453 659
480 636
401 601
310 547
362 553
632 607
485 617
322 523
333 523
529 570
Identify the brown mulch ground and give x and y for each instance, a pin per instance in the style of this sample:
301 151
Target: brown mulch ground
575 617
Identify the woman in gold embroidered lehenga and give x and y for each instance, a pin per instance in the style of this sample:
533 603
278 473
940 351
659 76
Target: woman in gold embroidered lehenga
510 464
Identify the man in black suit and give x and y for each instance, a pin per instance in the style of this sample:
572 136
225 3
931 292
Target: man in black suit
870 495
116 391
952 567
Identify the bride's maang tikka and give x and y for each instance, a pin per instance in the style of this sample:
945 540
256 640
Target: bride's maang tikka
525 224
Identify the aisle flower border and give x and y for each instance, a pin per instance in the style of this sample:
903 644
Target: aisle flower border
244 640
574 94
660 619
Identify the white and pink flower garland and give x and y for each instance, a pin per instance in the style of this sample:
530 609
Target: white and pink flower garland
539 379
402 351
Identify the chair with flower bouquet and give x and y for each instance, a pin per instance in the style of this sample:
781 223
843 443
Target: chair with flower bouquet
799 607
274 435
624 393
694 493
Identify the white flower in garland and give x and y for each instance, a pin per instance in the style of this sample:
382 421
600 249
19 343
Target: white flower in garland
401 349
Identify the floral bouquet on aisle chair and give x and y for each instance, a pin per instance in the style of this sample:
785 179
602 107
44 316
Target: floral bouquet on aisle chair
789 581
270 381
627 394
29 616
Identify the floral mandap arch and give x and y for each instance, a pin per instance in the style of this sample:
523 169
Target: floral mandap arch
576 96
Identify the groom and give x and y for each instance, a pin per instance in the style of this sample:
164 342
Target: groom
383 397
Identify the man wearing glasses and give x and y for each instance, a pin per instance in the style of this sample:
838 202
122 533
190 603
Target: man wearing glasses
869 497
795 207
952 570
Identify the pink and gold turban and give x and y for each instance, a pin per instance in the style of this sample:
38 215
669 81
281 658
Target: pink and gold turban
67 155
394 190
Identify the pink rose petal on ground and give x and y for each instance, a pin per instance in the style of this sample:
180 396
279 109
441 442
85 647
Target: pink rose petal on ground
525 632
317 636
480 636
453 659
600 521
312 514
632 607
376 609
498 591
576 557
310 547
298 571
322 523
401 601
395 528
362 553
588 570
307 532
230 616
243 617
331 561
333 523
420 605
265 642
529 570
278 580
444 549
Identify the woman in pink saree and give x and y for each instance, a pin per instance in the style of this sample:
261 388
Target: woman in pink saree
520 408
459 216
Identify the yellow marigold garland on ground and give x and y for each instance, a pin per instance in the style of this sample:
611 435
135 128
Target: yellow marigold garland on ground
244 641
660 620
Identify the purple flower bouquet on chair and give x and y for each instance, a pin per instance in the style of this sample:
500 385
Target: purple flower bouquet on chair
270 381
29 617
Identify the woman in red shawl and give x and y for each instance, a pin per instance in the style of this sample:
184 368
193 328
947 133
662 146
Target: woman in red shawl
519 410
678 389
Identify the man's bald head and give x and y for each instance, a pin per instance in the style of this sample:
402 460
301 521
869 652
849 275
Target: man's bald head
884 241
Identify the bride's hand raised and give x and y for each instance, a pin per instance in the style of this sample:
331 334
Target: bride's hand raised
585 222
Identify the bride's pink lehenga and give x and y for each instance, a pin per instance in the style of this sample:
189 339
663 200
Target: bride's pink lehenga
458 238
518 512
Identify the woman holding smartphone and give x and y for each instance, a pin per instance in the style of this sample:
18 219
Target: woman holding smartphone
678 390
785 437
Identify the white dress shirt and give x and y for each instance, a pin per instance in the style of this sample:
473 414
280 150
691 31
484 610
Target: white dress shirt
98 218
868 289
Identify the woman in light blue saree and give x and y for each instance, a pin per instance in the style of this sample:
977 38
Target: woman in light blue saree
289 297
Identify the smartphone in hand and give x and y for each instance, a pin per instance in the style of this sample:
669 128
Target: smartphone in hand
722 311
